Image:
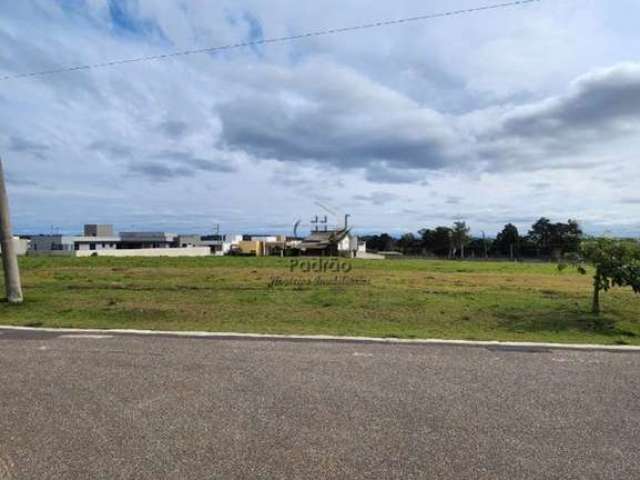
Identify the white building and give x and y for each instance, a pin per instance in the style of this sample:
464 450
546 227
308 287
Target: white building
71 243
100 240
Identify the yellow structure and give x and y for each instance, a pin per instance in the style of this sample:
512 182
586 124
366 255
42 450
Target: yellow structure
252 247
263 248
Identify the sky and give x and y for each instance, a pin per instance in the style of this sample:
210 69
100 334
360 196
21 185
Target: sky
494 117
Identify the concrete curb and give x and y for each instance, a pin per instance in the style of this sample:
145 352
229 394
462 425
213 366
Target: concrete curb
330 338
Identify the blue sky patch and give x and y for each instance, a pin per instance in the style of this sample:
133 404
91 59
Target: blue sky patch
127 22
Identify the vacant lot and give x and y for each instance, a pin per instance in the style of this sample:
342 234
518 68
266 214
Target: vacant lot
397 298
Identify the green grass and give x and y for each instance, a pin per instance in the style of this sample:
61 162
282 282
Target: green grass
402 298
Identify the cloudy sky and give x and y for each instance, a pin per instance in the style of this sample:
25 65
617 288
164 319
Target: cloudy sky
494 117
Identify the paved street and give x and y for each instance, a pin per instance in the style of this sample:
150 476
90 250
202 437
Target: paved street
187 408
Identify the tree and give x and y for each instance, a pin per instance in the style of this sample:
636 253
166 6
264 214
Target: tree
616 262
540 235
568 236
409 244
437 241
380 243
460 237
508 241
479 247
555 239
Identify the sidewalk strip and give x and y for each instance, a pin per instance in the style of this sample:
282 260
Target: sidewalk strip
327 338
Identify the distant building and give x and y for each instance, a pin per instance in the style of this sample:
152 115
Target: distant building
220 244
71 243
134 240
250 247
98 231
184 241
261 246
100 238
263 238
331 243
362 248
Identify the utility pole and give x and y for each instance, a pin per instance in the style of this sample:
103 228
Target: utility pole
9 258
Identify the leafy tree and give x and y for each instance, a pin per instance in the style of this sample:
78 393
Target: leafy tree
568 236
541 233
409 244
460 237
527 247
555 238
616 262
508 241
480 247
380 243
437 241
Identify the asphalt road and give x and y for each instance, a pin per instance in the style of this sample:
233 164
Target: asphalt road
187 408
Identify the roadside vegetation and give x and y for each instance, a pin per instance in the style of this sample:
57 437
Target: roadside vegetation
616 263
480 300
545 240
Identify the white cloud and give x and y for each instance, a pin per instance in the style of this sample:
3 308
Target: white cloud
516 114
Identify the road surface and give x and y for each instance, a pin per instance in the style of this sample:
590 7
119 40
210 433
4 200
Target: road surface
126 406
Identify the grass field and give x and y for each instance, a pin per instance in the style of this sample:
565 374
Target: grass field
401 298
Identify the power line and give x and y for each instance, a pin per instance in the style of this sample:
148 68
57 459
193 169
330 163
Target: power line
232 46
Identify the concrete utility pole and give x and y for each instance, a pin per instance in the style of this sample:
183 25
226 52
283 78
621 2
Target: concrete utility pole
9 258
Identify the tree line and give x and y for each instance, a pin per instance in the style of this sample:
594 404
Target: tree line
545 240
